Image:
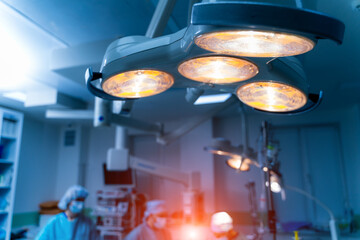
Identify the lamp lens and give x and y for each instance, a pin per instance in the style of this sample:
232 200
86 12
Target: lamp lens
271 97
235 163
138 83
218 69
252 43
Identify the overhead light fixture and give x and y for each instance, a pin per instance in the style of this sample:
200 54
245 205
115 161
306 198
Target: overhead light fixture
271 96
288 94
214 98
252 43
138 83
207 52
218 69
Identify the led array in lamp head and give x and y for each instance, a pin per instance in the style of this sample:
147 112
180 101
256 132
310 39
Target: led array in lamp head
254 43
138 83
285 94
218 69
214 50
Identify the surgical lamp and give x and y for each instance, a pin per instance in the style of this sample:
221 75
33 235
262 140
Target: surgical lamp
239 164
228 47
239 158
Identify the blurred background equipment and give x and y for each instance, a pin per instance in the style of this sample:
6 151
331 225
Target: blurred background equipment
115 213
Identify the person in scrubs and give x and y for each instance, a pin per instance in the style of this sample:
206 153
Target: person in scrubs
70 224
154 223
222 228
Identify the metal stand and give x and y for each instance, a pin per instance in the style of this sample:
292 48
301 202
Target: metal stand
253 210
269 196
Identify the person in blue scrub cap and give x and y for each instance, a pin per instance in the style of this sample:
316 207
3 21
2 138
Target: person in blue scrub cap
70 224
154 223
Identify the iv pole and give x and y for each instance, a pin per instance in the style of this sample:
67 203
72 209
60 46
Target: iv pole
269 196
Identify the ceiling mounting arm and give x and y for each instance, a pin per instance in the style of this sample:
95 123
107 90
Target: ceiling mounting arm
160 18
193 123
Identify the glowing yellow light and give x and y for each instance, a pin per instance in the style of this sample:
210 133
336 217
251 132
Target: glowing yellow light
272 97
218 69
265 169
235 163
255 43
138 83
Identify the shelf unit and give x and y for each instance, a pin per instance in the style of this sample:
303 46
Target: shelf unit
115 211
11 123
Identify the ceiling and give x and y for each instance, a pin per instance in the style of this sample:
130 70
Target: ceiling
39 34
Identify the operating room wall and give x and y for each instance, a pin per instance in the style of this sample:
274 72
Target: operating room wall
69 158
231 195
224 189
185 154
100 140
37 169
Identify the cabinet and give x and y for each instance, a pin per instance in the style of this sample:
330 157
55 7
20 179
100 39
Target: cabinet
10 137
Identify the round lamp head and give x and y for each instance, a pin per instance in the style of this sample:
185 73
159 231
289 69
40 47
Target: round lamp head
137 83
236 163
255 43
218 69
271 96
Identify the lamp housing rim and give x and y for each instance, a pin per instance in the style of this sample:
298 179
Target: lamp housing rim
250 15
305 93
104 80
219 55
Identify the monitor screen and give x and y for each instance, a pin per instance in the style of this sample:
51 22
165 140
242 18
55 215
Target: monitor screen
123 178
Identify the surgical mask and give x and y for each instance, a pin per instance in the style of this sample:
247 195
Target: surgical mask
76 206
160 222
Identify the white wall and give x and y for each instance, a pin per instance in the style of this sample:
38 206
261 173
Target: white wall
46 166
194 158
100 140
69 160
37 165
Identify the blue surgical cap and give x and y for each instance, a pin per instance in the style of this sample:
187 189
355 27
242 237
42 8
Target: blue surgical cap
72 193
154 207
